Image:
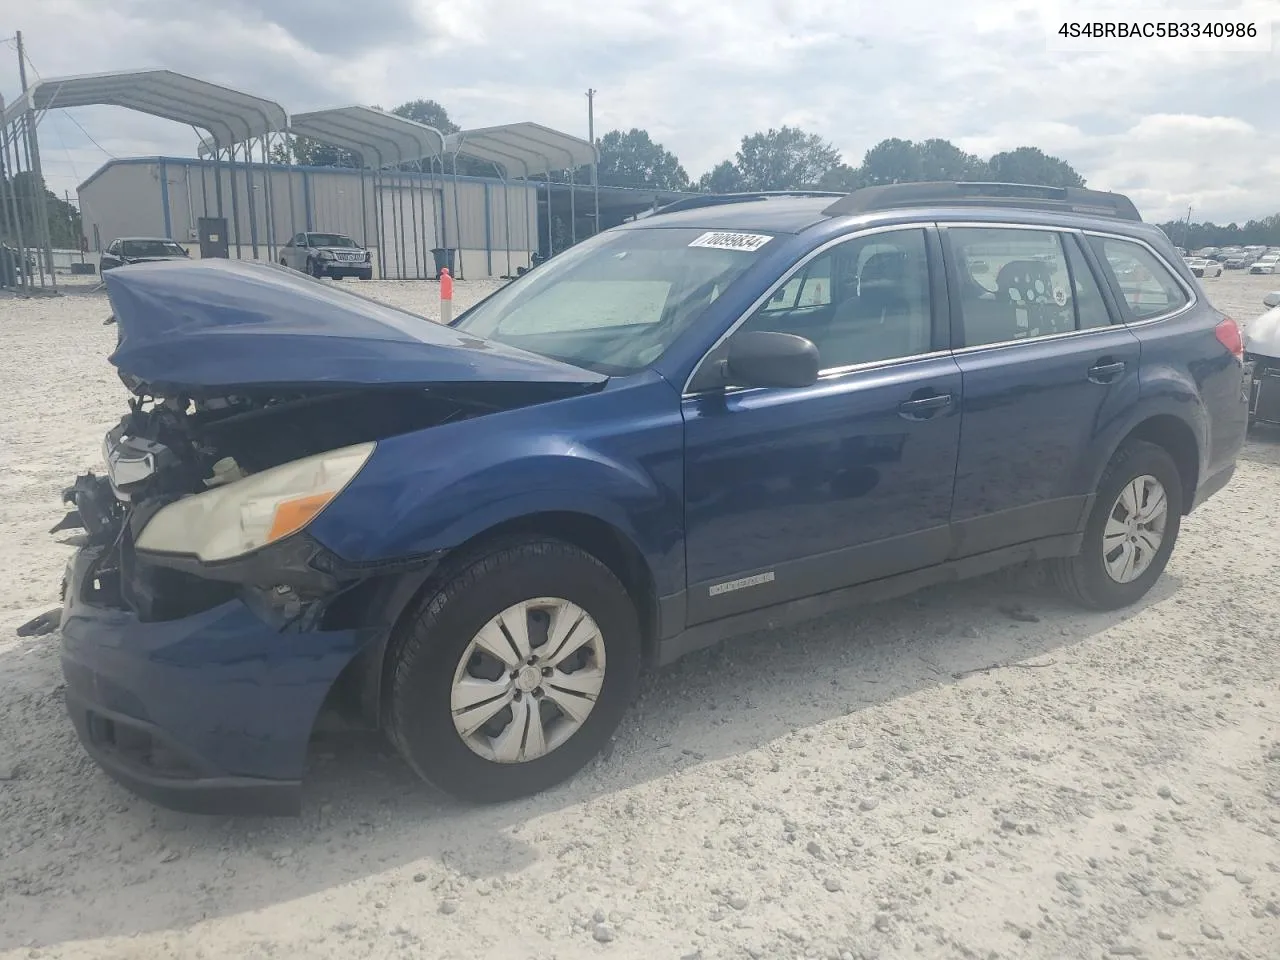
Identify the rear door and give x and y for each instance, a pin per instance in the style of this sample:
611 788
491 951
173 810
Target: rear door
1046 365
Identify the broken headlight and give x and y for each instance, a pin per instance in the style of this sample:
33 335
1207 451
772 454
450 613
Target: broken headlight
233 520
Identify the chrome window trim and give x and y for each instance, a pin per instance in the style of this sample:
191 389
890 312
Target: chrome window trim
922 226
835 373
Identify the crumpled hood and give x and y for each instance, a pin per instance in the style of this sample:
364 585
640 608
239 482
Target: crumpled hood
225 323
1262 335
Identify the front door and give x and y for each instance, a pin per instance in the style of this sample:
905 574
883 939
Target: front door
795 492
1045 370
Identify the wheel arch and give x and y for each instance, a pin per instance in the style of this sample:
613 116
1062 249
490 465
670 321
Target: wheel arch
1178 439
393 600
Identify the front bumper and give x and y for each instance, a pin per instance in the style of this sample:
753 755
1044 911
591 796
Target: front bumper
209 713
338 269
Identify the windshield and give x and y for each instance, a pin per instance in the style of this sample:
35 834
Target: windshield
329 240
616 302
151 248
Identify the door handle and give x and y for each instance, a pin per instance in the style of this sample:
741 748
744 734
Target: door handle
1105 371
922 408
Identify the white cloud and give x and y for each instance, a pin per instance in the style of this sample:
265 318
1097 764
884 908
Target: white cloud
1173 126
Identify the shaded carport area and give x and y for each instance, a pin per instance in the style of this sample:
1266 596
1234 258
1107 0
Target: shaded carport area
533 154
225 118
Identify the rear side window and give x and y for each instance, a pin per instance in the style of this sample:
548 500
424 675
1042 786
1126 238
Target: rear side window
1017 284
1144 282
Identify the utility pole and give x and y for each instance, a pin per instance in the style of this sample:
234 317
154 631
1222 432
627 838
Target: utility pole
595 173
39 223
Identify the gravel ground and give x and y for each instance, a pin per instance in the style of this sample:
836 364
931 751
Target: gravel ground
977 771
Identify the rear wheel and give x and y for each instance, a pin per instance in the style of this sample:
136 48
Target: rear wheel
1131 532
514 674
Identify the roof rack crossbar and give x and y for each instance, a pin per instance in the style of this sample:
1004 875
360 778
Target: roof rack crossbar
892 196
716 199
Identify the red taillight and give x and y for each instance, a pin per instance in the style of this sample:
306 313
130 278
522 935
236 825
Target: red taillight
1228 334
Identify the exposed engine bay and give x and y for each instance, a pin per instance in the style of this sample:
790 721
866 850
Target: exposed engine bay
169 448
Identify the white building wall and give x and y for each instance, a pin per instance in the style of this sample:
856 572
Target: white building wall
401 217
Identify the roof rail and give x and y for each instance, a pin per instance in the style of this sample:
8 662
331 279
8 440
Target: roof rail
715 199
1067 199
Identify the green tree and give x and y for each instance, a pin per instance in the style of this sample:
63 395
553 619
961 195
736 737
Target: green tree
632 159
428 112
1032 165
943 160
892 161
842 177
29 192
784 159
313 153
722 178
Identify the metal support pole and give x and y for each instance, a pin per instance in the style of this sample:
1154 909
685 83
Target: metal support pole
530 242
417 237
42 229
14 164
217 176
400 237
269 197
457 220
595 162
573 210
8 221
248 184
288 178
39 209
235 204
506 214
377 217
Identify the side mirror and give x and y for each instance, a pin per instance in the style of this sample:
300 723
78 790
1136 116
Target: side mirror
1272 299
764 358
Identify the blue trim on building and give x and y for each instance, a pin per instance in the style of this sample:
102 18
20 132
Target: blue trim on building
488 233
164 198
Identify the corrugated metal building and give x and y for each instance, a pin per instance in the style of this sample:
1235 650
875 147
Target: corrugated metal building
400 216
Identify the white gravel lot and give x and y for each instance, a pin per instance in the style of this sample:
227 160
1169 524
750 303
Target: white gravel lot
947 776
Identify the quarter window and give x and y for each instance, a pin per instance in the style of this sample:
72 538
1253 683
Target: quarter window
862 301
1145 283
1022 284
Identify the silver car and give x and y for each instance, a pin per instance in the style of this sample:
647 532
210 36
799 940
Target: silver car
327 255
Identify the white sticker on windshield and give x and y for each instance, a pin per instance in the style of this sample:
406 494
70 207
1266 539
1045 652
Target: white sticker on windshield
750 242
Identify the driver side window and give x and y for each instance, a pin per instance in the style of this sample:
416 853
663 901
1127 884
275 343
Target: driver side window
862 301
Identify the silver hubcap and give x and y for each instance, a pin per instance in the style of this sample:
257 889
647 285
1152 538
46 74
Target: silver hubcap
528 680
1134 529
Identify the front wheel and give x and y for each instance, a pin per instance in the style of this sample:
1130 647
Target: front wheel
315 268
514 675
1131 532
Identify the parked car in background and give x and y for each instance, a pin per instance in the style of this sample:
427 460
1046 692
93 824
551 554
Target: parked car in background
327 255
1265 263
126 250
735 412
1262 353
1238 261
1202 268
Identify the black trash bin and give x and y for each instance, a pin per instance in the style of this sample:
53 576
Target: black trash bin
444 258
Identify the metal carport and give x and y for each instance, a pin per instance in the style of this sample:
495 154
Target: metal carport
391 142
523 149
227 116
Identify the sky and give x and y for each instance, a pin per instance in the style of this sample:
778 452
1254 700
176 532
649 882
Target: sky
1171 125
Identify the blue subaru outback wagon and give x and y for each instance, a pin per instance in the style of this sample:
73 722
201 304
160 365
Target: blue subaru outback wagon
736 410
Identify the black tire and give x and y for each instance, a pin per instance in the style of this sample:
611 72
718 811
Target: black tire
1084 577
315 269
430 645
